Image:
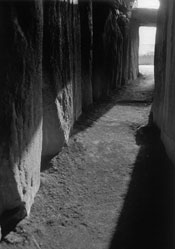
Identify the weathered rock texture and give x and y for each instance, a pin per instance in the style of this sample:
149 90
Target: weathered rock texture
144 17
57 58
133 59
164 99
86 19
61 73
20 104
110 47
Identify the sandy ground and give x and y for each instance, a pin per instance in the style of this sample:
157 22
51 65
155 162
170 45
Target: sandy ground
108 188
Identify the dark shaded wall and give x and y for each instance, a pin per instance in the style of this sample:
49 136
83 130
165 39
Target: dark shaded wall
110 47
164 99
100 15
145 17
86 19
21 31
57 58
62 103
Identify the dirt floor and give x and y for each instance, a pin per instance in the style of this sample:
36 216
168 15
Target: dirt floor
109 188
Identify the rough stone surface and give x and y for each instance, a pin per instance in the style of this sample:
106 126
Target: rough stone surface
100 14
61 73
144 17
20 104
86 19
66 54
133 51
164 101
75 29
110 47
103 191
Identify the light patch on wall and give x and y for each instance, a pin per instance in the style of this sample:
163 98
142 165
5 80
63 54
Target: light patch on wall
71 1
75 1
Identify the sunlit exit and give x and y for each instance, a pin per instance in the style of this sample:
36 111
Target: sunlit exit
152 4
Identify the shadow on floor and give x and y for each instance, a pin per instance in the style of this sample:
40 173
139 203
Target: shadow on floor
90 116
146 220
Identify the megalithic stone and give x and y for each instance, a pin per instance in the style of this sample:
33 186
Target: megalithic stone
21 24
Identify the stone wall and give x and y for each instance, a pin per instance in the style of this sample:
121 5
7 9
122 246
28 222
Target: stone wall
133 59
21 31
164 99
57 58
145 17
86 19
111 47
62 103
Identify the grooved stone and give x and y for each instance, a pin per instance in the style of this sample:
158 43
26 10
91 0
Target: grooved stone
20 103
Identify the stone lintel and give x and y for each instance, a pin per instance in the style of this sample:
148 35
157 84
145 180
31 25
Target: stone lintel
144 17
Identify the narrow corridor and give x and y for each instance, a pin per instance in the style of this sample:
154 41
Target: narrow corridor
106 189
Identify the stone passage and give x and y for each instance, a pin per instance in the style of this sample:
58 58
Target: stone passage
57 59
106 189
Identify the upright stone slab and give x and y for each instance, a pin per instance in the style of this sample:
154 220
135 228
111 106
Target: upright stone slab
75 28
111 47
133 51
100 83
61 73
20 105
86 51
164 100
160 63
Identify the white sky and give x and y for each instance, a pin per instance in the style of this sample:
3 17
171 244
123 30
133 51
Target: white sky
147 39
147 35
148 4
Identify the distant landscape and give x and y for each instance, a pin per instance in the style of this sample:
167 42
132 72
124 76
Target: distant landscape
146 54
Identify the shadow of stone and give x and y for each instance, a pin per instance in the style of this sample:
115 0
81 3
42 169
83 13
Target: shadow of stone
146 219
46 162
11 218
100 108
88 118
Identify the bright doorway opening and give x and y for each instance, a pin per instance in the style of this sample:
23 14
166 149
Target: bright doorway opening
150 4
146 49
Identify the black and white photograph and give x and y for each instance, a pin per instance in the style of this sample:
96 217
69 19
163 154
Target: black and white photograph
87 124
